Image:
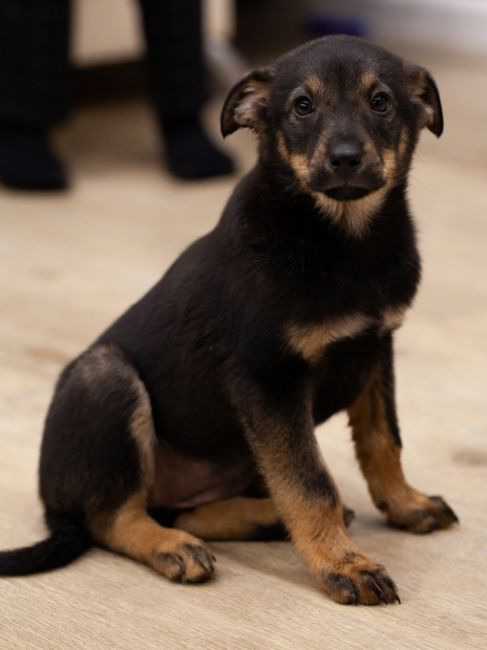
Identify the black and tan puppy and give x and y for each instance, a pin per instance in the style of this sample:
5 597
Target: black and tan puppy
201 400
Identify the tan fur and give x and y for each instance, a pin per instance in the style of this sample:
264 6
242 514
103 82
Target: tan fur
246 111
307 519
314 85
229 519
281 147
417 84
142 429
107 358
379 459
320 153
376 451
368 79
354 215
300 164
393 317
314 521
389 165
129 530
403 144
319 534
174 553
310 341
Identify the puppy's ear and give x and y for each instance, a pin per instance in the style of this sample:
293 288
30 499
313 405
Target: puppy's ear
246 102
423 92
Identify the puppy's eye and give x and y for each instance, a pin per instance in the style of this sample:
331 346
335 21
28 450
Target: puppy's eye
380 103
303 105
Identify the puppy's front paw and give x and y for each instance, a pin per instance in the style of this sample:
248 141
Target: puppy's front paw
186 562
423 515
357 581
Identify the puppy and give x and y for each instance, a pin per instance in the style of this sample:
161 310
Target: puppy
198 405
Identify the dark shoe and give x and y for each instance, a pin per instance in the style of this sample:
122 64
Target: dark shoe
27 161
189 152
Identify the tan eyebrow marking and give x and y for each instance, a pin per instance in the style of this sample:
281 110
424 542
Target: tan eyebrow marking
368 79
314 85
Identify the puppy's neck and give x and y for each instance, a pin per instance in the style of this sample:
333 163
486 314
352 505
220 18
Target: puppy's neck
355 218
278 190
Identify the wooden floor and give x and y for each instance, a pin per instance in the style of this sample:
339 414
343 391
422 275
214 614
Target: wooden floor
70 264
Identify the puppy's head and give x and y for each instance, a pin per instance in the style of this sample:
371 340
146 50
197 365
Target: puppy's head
342 117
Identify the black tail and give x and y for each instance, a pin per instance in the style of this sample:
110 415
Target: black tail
63 546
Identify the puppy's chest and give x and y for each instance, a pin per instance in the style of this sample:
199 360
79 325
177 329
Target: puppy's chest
311 341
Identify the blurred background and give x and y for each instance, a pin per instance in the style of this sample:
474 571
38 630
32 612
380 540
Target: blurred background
111 162
111 109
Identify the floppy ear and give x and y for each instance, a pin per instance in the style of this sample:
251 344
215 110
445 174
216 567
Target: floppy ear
423 92
246 102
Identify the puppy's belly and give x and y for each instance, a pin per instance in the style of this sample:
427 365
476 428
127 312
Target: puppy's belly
184 482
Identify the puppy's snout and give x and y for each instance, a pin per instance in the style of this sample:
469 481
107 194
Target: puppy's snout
345 157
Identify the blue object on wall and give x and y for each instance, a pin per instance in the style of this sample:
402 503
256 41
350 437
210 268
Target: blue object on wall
320 24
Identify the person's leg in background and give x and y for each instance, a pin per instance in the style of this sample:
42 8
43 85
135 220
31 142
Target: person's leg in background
34 43
173 31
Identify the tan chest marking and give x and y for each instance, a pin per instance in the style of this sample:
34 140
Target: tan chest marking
393 317
311 340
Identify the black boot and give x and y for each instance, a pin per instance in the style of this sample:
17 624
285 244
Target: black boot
26 160
190 154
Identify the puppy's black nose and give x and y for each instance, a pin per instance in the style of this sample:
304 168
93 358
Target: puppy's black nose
345 156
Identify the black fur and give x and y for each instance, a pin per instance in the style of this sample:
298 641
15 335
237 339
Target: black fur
209 339
66 543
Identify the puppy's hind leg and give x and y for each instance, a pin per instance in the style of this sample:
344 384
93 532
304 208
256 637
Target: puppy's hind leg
176 554
97 463
239 518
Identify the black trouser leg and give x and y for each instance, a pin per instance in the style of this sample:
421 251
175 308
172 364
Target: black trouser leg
175 55
34 46
179 86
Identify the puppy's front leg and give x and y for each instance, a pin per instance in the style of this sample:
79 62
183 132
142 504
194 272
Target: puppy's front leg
378 446
281 435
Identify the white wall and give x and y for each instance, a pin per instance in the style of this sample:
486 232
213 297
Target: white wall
453 24
108 30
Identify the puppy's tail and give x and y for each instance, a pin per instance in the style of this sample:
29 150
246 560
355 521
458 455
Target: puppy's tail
65 544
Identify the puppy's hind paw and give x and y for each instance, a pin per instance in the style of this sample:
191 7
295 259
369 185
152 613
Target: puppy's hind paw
188 563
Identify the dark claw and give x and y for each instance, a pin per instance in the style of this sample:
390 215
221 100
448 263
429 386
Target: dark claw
390 583
446 508
373 586
201 556
353 600
348 516
353 594
337 582
387 590
205 566
170 558
390 589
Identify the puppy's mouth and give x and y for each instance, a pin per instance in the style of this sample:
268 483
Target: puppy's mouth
347 192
